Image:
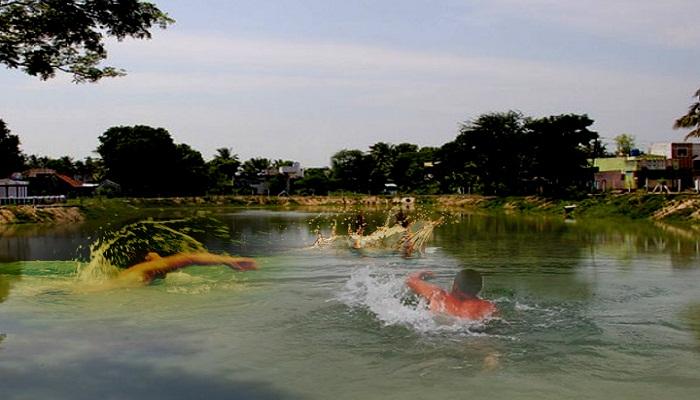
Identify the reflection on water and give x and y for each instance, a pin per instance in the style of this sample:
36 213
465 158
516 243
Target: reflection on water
146 382
588 309
692 316
9 274
5 282
42 242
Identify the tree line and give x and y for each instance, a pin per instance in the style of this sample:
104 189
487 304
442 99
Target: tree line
495 154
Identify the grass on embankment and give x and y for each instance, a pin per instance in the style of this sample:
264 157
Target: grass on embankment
681 207
677 207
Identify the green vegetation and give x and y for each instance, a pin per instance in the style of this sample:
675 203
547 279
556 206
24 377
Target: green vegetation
146 162
691 119
624 144
42 37
678 208
633 206
10 155
500 154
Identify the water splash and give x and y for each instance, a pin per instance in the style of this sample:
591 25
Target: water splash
128 245
385 295
406 240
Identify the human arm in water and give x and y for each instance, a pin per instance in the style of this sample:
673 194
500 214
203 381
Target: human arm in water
156 266
417 284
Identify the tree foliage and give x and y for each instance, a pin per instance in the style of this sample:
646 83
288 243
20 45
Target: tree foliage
146 161
494 154
506 153
624 144
88 170
485 157
11 157
559 148
44 36
691 120
351 169
222 171
316 181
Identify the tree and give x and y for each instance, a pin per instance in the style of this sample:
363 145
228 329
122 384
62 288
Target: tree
691 119
406 167
222 169
279 163
189 172
253 172
63 165
254 168
146 162
507 153
90 170
486 156
316 181
558 149
381 158
11 157
44 36
351 170
624 144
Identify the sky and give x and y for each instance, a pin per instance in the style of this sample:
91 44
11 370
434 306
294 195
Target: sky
303 79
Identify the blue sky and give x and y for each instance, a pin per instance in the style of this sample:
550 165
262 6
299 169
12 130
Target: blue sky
301 79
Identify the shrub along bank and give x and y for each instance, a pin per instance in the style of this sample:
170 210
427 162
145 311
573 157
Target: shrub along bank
682 207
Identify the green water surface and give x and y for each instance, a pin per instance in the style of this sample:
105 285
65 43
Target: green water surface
590 309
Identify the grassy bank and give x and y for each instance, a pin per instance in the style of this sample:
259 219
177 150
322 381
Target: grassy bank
676 207
683 207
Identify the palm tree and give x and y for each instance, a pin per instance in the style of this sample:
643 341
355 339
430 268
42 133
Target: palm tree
224 153
691 119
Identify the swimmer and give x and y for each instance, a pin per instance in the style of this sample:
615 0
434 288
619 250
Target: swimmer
402 219
358 225
462 301
156 266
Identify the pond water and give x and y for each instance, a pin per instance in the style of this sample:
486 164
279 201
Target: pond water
590 309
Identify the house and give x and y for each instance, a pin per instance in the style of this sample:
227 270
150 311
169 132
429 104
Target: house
293 171
13 189
687 157
276 179
687 154
635 172
47 182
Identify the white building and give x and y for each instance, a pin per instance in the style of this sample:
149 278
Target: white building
292 171
12 189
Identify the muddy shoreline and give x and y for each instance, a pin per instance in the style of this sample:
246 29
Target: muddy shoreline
680 207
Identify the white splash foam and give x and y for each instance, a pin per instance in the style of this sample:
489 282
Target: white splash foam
523 307
382 292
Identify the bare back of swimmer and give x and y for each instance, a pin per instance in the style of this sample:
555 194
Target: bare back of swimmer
462 301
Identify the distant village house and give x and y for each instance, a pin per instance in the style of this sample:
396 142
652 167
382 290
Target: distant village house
667 166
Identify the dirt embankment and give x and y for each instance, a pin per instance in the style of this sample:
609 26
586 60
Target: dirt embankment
685 208
32 214
253 201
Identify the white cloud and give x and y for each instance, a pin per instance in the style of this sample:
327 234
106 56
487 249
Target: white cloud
306 99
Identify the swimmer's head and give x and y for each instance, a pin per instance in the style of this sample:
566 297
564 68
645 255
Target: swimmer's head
467 283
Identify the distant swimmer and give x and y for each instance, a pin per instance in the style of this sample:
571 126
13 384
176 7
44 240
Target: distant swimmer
156 266
462 301
402 219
